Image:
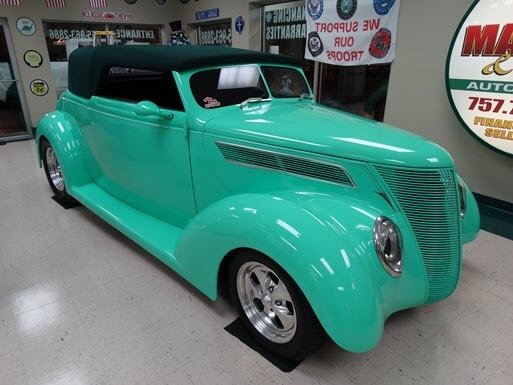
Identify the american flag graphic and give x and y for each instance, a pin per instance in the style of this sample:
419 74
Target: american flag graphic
10 2
98 3
56 3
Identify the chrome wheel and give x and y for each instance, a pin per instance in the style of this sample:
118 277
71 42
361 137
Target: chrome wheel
54 169
266 302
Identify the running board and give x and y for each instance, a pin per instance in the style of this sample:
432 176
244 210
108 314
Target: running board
157 237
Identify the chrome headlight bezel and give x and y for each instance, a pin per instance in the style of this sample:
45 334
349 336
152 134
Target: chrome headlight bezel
462 192
388 244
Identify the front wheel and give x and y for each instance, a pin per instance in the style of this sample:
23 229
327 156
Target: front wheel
53 171
272 307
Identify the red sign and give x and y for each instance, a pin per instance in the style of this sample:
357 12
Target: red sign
106 15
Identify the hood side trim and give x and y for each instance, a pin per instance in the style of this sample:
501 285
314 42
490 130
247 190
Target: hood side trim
305 167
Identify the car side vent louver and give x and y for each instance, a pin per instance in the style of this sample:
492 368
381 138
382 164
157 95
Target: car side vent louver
286 163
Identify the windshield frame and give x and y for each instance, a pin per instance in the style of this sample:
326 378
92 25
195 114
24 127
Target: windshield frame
297 69
270 97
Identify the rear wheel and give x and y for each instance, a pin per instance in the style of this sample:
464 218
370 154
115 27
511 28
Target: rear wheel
53 171
272 307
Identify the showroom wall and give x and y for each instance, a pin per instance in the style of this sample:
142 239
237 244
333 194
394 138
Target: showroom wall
417 100
142 12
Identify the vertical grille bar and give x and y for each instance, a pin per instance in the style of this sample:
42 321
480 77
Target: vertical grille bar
429 199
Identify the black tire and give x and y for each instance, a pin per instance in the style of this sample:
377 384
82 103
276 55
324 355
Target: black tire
309 334
60 195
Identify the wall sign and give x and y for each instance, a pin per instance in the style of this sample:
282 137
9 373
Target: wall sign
239 24
216 34
479 74
207 14
82 33
25 26
39 87
105 15
285 23
33 58
351 32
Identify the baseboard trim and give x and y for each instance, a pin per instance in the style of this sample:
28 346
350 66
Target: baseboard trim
496 215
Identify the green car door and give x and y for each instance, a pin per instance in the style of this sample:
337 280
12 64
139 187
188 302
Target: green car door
140 149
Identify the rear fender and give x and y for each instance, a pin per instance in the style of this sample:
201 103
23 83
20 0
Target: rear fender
62 131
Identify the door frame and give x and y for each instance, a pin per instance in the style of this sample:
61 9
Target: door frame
21 93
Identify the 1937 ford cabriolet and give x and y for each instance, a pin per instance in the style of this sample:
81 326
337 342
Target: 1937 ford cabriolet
219 163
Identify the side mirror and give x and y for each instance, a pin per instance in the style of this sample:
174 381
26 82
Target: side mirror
147 108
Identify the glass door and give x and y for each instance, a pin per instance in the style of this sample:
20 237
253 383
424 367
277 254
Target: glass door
12 118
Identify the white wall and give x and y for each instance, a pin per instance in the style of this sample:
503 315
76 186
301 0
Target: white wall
143 12
417 100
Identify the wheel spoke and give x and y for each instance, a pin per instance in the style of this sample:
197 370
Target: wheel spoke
262 276
253 289
287 319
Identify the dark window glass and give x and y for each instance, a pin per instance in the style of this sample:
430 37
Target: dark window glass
285 82
360 90
227 86
284 33
135 85
215 34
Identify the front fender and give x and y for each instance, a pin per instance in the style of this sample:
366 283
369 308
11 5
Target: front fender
323 242
62 131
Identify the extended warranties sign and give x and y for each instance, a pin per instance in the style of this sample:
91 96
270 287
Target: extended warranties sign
479 73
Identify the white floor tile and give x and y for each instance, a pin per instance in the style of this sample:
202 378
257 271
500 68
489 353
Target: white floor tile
87 373
140 359
226 366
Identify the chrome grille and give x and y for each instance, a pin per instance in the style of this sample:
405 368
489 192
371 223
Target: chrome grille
286 163
429 199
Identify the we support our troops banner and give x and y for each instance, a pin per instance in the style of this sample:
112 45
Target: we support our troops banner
351 32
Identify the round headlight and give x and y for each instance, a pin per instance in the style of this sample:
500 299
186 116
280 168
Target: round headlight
387 240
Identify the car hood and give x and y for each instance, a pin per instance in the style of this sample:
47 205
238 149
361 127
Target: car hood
307 126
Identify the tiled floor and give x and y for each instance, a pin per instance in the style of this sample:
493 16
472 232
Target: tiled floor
81 304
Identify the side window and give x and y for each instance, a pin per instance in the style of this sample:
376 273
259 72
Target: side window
137 84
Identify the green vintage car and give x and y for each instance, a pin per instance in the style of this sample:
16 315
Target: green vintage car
219 162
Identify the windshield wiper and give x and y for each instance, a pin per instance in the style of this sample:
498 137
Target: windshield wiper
304 95
253 100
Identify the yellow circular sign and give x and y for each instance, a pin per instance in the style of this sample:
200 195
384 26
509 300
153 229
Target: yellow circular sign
39 87
33 59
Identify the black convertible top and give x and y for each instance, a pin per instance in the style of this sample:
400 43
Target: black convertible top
87 65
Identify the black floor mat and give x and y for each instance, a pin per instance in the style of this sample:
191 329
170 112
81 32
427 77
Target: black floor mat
237 329
67 205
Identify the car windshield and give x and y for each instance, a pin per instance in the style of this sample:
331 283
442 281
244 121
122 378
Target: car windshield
227 86
285 82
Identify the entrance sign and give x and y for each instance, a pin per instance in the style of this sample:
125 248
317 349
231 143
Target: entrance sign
351 32
479 74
